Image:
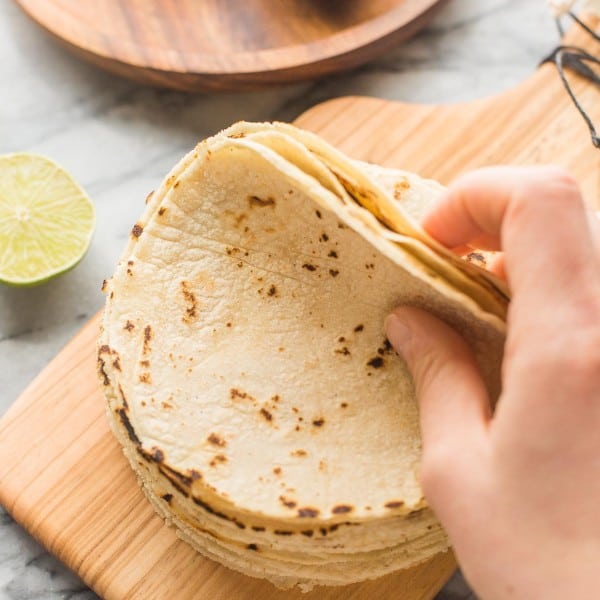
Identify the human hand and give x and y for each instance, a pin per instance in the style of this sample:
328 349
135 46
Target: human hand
518 491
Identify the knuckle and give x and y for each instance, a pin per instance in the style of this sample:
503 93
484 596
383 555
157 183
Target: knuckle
557 175
550 183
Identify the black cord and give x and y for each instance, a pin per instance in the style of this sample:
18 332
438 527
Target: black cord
577 60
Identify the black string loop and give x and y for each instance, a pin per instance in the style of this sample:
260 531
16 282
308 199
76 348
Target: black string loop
577 60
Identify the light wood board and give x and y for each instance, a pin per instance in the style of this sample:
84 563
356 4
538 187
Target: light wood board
62 475
228 45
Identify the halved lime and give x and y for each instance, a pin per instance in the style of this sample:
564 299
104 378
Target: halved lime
46 219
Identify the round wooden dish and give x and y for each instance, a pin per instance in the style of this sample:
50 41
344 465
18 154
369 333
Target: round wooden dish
199 45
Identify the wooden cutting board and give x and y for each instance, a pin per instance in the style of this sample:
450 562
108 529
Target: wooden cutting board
228 45
62 475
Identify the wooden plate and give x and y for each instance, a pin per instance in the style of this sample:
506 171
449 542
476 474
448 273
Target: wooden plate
198 45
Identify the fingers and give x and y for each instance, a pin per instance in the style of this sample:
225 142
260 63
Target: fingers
537 216
467 213
453 401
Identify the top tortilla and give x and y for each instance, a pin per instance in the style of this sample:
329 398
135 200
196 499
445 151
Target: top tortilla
242 338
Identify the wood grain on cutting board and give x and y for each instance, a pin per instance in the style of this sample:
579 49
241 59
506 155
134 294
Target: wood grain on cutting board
62 475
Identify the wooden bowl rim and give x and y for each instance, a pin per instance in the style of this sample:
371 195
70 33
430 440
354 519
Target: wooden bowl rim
283 58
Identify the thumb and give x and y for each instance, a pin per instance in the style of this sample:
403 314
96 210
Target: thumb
453 401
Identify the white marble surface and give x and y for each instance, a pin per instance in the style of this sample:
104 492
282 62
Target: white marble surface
119 139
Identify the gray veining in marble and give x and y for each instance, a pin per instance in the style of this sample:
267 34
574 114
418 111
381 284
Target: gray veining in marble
118 139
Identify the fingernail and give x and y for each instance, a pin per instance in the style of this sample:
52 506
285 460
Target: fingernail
397 331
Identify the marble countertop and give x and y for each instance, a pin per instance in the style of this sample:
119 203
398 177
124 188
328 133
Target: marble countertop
119 139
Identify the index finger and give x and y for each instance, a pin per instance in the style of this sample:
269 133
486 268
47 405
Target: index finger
536 215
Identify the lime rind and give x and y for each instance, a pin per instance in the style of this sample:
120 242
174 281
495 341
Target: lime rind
46 220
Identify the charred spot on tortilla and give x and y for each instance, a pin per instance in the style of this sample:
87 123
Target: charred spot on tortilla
137 230
240 219
167 498
376 362
145 377
308 513
476 258
332 254
236 394
209 509
319 422
252 547
318 213
343 351
128 426
216 440
309 267
105 349
257 528
256 201
307 532
147 339
287 502
117 363
400 187
344 405
166 405
324 237
129 326
122 395
341 509
104 286
299 453
334 272
218 459
191 310
283 532
359 328
162 210
266 414
157 455
272 291
394 504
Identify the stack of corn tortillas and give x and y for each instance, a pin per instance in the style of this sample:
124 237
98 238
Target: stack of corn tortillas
245 366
